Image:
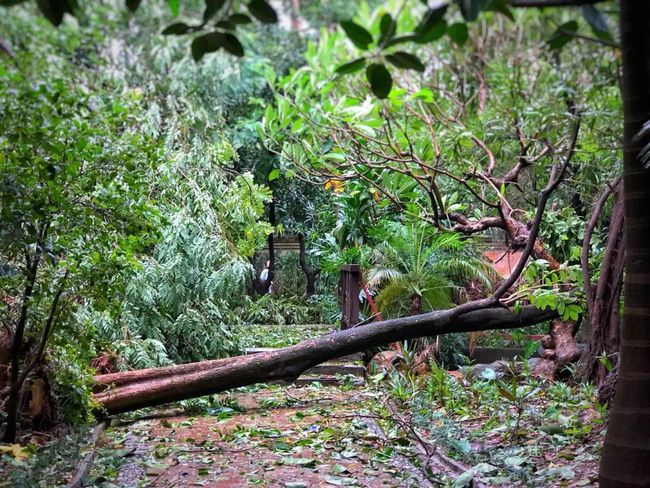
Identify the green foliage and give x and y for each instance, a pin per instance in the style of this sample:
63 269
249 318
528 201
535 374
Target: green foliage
289 279
547 288
273 309
75 201
413 262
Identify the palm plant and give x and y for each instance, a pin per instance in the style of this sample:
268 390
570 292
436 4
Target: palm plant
418 270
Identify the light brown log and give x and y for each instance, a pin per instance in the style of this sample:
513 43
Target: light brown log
289 362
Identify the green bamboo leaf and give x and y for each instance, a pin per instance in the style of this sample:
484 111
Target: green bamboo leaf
240 19
174 6
432 26
596 21
500 6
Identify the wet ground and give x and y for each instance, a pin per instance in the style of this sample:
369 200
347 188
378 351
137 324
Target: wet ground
286 437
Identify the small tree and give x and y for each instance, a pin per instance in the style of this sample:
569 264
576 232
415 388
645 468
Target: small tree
74 209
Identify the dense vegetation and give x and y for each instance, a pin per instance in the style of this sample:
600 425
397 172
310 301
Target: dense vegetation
166 198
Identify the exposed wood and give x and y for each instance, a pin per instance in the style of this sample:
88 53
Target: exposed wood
290 362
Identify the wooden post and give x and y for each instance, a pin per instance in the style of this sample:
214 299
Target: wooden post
349 295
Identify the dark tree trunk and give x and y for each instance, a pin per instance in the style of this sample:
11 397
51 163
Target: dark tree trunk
162 385
12 404
262 286
625 460
311 273
603 305
416 305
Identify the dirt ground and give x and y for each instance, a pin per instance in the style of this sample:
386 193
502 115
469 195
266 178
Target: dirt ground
284 437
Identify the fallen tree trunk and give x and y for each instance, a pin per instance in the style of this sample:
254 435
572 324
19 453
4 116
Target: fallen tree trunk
156 386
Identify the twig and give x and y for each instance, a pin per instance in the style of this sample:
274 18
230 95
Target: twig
87 463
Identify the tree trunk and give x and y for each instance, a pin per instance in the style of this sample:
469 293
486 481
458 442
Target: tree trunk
416 304
162 385
310 273
603 305
626 454
262 286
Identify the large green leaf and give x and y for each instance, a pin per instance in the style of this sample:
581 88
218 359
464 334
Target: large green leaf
563 35
53 10
232 45
405 60
359 36
174 6
211 8
207 43
458 33
379 79
351 67
262 11
133 5
596 21
387 28
176 29
431 27
470 9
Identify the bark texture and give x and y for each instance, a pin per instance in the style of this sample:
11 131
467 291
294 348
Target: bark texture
161 385
603 300
311 273
626 454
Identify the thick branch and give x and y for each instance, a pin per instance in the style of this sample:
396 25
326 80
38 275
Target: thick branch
467 226
289 362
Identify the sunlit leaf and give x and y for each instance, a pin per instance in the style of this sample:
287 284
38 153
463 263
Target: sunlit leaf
174 6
